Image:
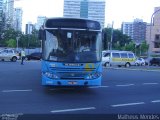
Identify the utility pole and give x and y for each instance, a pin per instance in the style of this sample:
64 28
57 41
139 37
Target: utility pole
111 36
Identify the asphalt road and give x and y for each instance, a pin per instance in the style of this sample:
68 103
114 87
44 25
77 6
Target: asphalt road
123 91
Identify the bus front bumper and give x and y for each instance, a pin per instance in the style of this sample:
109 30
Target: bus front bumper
58 82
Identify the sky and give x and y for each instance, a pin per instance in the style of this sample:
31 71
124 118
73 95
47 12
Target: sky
117 11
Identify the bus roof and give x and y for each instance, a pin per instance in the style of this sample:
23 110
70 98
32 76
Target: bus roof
74 23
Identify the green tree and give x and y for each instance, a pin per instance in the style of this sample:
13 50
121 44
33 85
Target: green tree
144 48
7 35
119 39
129 47
11 43
24 41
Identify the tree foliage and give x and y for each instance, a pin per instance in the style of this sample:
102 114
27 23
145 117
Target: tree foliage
119 40
11 43
122 42
9 38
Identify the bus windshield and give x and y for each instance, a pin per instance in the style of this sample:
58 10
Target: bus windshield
72 46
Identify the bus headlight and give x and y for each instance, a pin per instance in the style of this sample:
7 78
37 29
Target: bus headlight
93 75
50 75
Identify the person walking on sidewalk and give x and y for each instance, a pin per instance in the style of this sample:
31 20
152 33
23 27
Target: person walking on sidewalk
22 56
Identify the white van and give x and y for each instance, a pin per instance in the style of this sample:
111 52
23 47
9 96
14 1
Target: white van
119 58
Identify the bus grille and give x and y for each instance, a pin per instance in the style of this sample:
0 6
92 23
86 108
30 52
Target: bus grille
72 73
58 69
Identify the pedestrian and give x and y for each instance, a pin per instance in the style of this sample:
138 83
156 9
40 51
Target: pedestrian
22 56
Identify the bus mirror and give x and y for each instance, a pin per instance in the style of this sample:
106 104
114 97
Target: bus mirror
41 35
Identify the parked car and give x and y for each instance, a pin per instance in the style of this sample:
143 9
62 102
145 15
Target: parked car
8 55
155 61
34 56
140 62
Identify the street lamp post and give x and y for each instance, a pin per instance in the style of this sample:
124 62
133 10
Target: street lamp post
111 36
17 38
151 24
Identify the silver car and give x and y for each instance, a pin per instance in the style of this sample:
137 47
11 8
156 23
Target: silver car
8 55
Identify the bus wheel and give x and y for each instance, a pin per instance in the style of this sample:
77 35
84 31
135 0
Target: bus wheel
127 65
107 64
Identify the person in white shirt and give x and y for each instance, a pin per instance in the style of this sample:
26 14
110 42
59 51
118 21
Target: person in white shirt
22 56
84 48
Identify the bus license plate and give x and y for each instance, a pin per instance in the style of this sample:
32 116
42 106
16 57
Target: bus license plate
72 83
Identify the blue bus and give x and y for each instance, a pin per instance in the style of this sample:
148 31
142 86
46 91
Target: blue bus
71 52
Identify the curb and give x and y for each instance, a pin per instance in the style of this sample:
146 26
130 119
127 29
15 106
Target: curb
134 69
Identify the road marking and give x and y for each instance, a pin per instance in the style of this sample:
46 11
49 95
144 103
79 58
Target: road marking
98 87
128 104
76 109
150 83
155 101
17 90
125 85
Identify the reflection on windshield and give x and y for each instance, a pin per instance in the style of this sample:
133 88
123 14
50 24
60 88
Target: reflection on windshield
72 46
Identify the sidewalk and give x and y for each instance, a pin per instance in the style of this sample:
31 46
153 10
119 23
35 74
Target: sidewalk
140 68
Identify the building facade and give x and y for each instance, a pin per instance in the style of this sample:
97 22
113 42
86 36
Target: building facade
17 20
40 21
1 9
136 30
153 32
1 14
90 9
29 28
8 10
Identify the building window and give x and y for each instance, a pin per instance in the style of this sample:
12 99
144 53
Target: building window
157 37
157 44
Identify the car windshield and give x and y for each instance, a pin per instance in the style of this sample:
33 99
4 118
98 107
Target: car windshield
72 46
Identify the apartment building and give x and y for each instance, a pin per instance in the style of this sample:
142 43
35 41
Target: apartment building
136 30
90 9
40 21
29 28
153 32
8 10
17 19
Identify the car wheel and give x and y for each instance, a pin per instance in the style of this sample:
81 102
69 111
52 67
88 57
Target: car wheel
127 65
14 59
107 64
25 58
143 64
137 64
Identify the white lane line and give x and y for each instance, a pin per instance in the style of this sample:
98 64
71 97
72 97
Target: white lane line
150 83
155 101
98 87
76 109
127 104
125 85
16 90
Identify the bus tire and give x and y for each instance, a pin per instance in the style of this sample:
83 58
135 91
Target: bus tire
127 65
